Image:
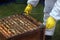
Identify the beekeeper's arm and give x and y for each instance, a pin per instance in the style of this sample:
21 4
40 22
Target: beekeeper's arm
30 5
54 15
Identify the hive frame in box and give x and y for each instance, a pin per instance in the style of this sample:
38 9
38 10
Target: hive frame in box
38 30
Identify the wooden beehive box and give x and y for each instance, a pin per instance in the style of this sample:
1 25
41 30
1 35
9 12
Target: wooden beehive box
20 27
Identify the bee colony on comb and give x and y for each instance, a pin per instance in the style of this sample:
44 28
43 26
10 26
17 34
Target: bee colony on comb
19 27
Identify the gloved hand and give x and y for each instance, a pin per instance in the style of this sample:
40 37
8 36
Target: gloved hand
50 23
28 9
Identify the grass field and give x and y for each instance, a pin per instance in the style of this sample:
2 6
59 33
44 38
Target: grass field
37 13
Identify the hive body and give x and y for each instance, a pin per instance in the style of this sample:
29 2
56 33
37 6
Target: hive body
19 27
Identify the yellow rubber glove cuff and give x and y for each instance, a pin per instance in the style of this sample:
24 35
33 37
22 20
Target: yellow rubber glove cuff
50 23
28 9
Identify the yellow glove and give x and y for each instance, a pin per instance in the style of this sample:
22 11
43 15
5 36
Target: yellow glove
50 23
28 9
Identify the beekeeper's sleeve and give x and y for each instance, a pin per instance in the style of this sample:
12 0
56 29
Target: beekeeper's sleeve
33 2
56 10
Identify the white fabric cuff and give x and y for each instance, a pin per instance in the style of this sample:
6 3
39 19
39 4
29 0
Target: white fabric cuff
33 2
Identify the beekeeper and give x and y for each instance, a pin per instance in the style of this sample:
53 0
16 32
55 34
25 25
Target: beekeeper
51 14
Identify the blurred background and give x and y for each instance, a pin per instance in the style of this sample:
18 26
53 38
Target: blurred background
17 1
10 7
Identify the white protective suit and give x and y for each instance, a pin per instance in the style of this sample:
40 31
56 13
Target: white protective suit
52 8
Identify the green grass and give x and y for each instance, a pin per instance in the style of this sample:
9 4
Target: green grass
57 32
37 13
9 9
12 8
